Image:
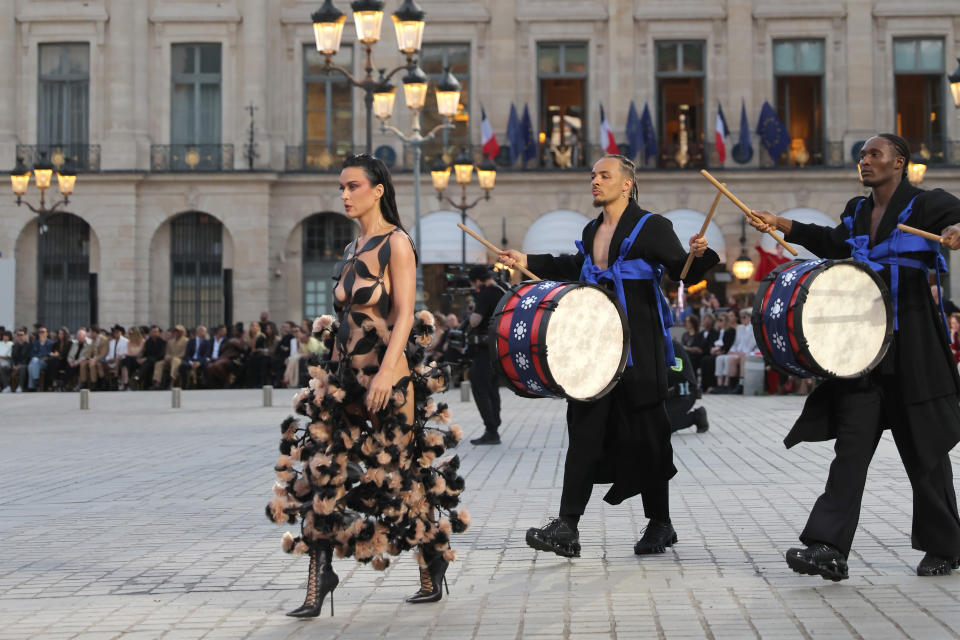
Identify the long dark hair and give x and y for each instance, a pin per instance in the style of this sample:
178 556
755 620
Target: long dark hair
377 173
900 148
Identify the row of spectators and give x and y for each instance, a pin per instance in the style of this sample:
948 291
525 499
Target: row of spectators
147 357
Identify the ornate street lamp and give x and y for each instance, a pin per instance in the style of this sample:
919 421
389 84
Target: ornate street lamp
742 267
415 95
42 177
954 80
463 167
916 169
408 20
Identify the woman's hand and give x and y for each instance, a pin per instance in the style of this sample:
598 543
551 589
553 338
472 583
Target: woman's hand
512 258
698 245
950 237
378 395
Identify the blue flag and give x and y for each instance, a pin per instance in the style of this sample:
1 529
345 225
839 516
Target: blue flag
634 133
529 142
773 135
514 136
649 135
746 148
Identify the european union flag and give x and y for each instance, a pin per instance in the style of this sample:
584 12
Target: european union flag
514 135
649 135
634 132
746 148
773 135
529 142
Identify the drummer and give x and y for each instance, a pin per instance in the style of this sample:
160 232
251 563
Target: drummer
914 390
624 437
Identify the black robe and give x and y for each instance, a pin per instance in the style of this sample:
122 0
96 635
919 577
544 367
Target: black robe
628 454
919 355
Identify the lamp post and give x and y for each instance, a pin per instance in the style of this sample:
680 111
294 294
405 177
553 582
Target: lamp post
415 96
916 169
743 268
463 166
954 80
408 22
42 177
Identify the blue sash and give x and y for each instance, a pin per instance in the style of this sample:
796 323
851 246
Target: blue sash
888 254
635 269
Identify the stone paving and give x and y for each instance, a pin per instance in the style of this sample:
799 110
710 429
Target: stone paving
135 520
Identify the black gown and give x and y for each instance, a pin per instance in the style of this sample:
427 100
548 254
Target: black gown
630 445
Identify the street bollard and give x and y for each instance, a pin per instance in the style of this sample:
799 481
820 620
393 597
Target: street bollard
84 399
465 391
267 395
175 398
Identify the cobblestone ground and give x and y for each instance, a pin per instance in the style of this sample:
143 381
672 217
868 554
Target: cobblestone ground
136 520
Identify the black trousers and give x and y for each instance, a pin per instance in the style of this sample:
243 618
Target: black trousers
862 415
485 388
678 410
592 428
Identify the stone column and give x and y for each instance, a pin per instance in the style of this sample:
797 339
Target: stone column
8 88
251 69
740 70
861 52
119 149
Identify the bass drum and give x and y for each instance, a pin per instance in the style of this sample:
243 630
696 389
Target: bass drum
823 318
553 339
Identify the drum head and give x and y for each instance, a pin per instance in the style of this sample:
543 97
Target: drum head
586 349
845 320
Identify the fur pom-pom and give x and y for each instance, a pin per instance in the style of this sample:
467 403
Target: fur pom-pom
383 458
457 432
450 555
300 548
321 323
433 439
287 542
460 520
426 317
380 563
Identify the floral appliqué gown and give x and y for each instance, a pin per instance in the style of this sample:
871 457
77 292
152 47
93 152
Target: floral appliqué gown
366 485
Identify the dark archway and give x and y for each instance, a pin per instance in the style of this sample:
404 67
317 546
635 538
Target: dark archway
66 292
324 237
196 270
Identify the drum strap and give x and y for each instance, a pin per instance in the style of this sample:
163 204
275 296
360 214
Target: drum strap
889 254
634 269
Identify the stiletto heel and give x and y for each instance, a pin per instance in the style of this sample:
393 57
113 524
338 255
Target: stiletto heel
322 581
432 580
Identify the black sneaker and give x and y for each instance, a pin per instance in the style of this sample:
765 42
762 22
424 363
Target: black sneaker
700 419
558 536
819 559
488 437
932 565
657 536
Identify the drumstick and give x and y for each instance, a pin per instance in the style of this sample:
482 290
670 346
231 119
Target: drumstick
920 232
745 209
493 249
703 230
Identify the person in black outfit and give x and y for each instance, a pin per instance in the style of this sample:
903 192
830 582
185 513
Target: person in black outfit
914 391
724 333
153 352
623 437
483 380
684 391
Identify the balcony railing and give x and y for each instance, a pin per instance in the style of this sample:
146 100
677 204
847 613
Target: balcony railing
191 157
83 158
316 157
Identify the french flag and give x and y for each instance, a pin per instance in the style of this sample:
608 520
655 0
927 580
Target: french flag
722 132
490 145
606 134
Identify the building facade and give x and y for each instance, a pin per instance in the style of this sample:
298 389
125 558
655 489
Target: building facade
174 220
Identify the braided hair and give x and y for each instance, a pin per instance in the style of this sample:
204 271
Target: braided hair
900 148
377 173
629 170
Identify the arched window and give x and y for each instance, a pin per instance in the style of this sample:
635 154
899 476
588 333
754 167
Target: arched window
555 232
196 270
63 249
324 237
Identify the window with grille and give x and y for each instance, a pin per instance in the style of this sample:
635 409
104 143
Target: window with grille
562 77
325 235
918 66
196 270
434 58
64 272
680 75
63 96
327 110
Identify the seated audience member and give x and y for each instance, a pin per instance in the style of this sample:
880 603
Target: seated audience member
129 364
949 307
57 360
295 374
223 371
6 360
729 368
153 352
116 352
688 339
282 353
700 345
92 368
261 357
196 356
174 351
40 351
20 359
78 351
251 364
726 333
